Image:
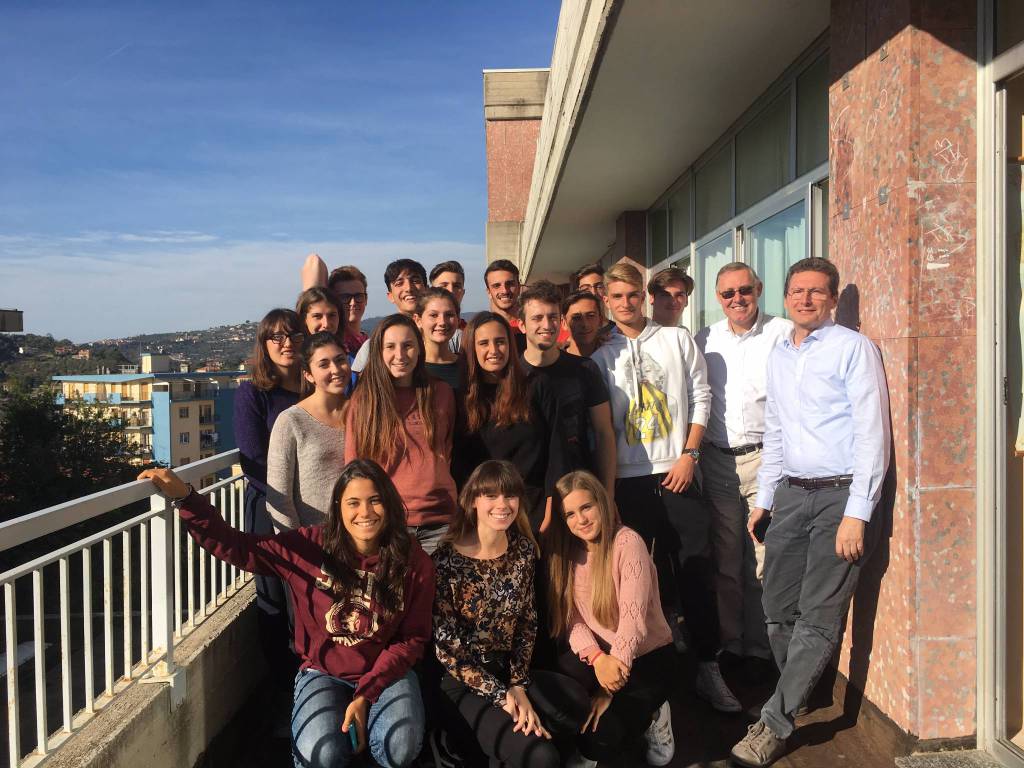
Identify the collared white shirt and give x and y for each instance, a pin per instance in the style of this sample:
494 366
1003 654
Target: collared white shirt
737 369
826 414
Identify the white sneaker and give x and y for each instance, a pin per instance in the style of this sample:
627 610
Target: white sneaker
579 761
712 688
661 745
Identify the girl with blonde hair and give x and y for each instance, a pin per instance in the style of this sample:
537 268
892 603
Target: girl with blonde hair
603 594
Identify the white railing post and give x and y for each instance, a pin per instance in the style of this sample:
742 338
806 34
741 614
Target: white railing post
161 584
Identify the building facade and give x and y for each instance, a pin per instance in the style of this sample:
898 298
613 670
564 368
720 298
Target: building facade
176 417
885 135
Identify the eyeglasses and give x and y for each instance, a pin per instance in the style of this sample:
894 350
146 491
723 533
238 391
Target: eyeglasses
814 294
350 298
743 290
280 338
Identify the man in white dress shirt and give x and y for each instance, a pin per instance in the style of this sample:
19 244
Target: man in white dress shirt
826 450
736 352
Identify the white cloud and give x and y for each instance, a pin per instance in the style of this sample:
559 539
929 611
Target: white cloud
105 288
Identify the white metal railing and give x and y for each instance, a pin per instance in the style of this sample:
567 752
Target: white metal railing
145 567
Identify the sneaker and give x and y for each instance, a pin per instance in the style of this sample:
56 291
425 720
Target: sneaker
759 748
661 745
579 761
442 754
712 688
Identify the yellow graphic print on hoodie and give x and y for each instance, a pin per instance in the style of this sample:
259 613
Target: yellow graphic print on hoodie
648 417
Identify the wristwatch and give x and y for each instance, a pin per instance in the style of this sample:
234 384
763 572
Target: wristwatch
176 503
694 453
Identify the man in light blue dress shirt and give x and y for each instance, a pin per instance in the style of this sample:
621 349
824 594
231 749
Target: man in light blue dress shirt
826 451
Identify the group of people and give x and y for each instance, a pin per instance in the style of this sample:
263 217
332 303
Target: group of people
519 519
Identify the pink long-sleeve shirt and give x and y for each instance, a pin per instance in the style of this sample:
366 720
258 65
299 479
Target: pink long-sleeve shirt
642 627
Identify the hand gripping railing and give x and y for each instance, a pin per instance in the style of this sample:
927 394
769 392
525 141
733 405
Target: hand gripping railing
165 586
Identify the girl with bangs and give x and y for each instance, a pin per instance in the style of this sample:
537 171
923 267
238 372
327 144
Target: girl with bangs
276 385
403 419
485 625
362 591
503 416
603 593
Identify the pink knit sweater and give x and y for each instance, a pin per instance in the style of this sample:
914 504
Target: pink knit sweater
642 627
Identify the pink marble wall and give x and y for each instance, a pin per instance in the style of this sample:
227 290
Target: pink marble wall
511 149
902 155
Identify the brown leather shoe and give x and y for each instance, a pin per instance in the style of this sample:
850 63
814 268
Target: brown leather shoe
759 748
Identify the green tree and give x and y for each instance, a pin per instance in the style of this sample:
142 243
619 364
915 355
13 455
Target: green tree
50 454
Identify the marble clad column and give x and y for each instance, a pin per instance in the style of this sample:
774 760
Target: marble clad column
902 117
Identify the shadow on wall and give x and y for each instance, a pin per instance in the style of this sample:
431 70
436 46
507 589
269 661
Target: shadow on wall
848 308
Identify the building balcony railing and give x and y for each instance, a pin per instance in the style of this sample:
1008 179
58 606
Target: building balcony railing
106 610
208 419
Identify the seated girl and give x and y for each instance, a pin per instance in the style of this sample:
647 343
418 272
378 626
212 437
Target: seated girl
603 593
362 591
485 624
307 443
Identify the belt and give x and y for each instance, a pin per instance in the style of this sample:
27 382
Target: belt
817 483
741 450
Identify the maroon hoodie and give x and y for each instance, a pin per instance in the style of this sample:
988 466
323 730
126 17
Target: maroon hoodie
340 634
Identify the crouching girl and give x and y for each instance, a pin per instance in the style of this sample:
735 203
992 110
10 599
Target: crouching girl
604 599
362 590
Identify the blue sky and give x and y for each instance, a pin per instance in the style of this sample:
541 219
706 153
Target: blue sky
168 166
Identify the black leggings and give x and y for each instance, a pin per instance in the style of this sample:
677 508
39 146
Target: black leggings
632 709
678 526
483 732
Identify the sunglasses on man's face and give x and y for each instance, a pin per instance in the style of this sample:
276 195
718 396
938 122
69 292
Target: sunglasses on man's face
743 290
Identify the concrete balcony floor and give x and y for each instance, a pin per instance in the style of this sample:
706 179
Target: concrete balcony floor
826 736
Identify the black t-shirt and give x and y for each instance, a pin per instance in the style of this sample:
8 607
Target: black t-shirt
528 445
577 386
450 373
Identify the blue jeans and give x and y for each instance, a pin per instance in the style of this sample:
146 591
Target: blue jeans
394 724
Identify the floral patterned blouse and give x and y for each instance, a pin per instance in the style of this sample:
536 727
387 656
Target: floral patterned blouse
484 607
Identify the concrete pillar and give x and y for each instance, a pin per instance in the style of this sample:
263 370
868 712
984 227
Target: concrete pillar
902 116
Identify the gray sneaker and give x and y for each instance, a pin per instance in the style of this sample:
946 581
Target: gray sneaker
759 748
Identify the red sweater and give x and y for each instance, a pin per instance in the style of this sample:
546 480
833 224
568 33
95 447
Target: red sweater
422 475
340 634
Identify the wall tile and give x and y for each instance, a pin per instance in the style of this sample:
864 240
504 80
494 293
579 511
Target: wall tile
946 670
946 411
947 580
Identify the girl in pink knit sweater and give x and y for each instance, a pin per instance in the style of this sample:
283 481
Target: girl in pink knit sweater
604 598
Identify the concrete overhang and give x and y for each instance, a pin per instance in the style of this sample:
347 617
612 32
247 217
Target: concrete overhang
638 90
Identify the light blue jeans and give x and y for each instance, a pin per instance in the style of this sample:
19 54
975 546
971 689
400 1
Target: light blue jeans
394 725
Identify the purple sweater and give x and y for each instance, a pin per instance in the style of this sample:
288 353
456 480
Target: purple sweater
256 410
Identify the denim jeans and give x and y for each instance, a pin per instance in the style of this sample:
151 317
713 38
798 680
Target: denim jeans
394 728
807 592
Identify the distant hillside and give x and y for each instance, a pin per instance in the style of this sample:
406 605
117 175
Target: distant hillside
31 360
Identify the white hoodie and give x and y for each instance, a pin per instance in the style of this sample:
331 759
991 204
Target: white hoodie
658 385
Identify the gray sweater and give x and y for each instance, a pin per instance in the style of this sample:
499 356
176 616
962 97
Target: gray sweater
304 462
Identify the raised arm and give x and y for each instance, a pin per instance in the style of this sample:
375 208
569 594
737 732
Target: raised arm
313 272
256 554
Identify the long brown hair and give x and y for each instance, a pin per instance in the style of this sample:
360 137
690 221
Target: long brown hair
562 548
395 542
317 295
380 426
493 476
512 402
265 375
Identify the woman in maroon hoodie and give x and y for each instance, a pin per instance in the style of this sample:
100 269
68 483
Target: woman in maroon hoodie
363 591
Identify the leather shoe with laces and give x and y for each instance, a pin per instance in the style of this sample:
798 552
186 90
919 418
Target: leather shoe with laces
759 748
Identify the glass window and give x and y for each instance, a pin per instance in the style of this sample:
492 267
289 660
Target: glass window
1009 24
776 244
821 209
812 117
712 257
183 413
657 231
183 438
762 154
679 216
713 192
